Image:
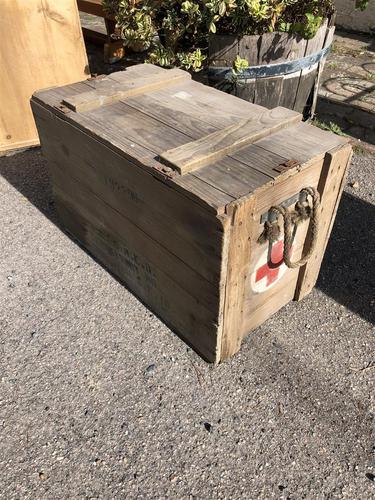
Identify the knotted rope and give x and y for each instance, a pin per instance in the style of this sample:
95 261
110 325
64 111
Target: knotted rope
302 212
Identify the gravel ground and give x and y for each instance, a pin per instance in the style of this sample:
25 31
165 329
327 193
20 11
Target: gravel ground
98 399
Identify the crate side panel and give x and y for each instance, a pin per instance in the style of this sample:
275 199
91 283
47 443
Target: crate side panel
123 253
192 234
268 287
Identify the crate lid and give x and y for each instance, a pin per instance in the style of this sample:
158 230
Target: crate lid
213 146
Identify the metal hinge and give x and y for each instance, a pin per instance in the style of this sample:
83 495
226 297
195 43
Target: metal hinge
287 165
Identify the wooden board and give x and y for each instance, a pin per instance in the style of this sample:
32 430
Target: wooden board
331 185
93 7
260 304
216 145
41 46
109 90
240 250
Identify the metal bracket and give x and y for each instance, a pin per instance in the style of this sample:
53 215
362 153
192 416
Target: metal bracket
287 165
270 216
62 108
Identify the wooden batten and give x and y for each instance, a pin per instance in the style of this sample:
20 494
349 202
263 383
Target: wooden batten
215 146
110 90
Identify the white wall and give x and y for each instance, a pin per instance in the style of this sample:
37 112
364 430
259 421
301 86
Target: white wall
351 19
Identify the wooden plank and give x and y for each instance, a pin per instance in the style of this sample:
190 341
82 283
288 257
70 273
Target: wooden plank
93 7
150 134
331 185
179 119
305 88
239 253
223 50
218 199
93 208
165 214
41 46
124 256
305 143
309 75
289 90
245 89
232 177
248 48
258 304
109 91
261 161
189 99
268 91
228 175
279 47
215 146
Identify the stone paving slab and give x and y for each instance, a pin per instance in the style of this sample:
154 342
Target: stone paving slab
347 93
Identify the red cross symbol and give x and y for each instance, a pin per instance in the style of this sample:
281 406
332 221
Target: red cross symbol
272 273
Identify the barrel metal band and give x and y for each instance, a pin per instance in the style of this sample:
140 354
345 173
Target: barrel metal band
268 70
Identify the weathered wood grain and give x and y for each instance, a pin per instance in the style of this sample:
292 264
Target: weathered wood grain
223 49
330 186
258 307
128 254
108 90
187 245
216 145
41 46
152 205
239 255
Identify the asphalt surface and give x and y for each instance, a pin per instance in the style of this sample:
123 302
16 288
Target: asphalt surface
98 399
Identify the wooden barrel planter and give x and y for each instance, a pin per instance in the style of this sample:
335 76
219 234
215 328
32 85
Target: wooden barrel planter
284 69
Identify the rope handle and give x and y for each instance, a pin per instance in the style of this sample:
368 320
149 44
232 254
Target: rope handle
303 212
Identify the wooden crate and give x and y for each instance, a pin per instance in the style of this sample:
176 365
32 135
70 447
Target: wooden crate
41 46
170 183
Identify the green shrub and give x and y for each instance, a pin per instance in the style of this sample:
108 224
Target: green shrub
176 31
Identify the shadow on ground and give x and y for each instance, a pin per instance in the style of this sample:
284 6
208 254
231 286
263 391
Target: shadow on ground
347 273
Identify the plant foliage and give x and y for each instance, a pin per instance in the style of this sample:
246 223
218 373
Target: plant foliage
176 31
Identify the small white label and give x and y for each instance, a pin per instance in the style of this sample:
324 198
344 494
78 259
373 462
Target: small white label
182 95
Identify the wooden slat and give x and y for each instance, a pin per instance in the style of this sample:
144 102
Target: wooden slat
109 90
331 185
228 175
209 198
215 146
232 177
93 7
260 160
308 75
305 143
223 49
268 91
239 253
248 48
